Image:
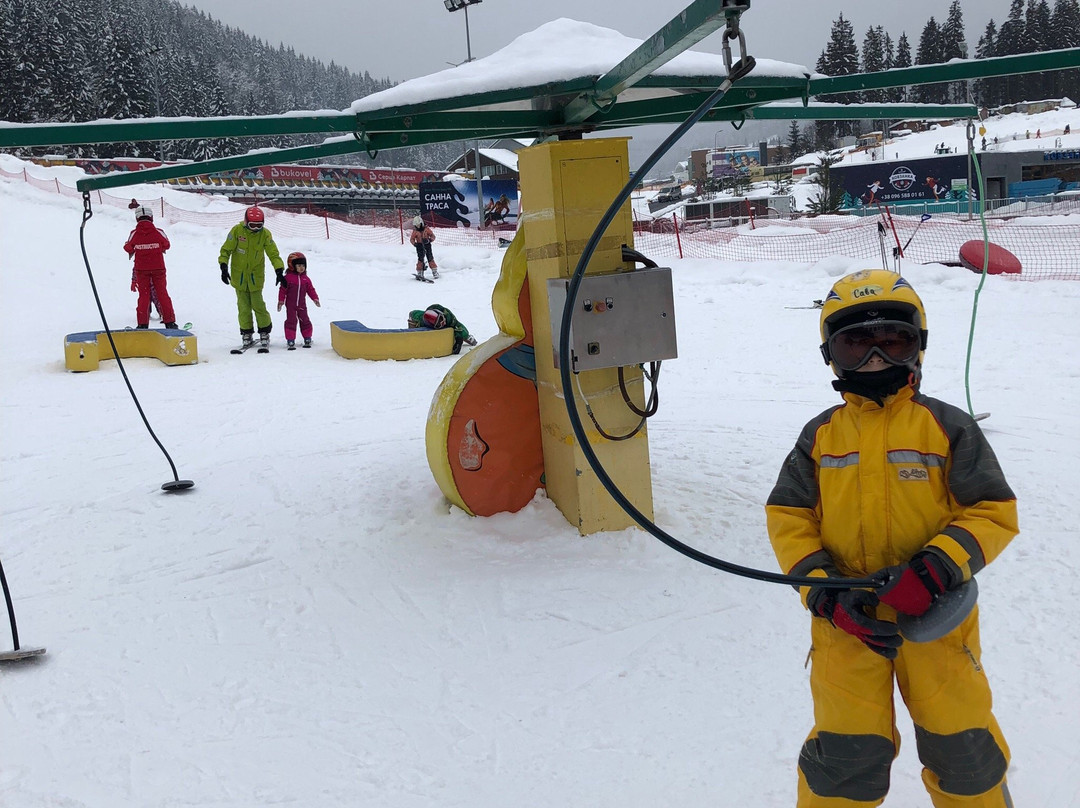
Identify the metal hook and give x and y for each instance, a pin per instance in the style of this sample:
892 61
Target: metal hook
361 138
605 107
87 212
746 62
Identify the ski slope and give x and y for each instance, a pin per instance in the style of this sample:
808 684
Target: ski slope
313 625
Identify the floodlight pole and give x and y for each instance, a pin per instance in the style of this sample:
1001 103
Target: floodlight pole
479 190
468 41
452 6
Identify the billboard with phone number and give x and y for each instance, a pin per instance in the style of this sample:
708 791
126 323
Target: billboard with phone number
939 179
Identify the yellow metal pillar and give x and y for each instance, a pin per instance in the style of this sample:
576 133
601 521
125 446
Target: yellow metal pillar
566 188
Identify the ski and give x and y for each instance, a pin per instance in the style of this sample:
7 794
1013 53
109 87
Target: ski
291 347
981 416
818 304
243 348
420 277
264 349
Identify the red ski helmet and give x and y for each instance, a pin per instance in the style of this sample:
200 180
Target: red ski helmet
254 216
434 319
296 258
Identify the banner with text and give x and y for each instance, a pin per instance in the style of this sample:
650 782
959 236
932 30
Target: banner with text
938 179
453 203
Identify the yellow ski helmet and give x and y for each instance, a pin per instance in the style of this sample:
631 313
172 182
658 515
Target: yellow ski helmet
868 296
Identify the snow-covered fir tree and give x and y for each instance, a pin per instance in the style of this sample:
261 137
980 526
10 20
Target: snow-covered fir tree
954 46
931 51
1065 33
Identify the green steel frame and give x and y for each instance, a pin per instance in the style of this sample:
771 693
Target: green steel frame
630 94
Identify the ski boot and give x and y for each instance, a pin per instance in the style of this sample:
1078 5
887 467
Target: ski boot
171 325
434 269
292 345
307 342
246 339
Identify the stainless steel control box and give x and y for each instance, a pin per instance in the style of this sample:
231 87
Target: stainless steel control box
619 319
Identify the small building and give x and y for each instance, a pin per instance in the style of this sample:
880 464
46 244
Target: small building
498 160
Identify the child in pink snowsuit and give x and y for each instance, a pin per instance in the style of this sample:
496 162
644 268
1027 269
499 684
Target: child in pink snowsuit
293 294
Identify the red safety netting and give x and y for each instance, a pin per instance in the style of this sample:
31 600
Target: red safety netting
1046 250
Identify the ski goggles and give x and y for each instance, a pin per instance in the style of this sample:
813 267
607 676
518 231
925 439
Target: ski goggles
256 226
895 341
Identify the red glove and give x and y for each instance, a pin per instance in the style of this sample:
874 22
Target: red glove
846 609
912 587
134 287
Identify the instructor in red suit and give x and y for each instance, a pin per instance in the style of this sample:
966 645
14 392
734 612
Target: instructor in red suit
147 245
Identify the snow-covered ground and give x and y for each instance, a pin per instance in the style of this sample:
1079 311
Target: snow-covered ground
1042 131
312 625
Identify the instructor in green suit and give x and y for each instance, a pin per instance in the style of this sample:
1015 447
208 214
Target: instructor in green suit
247 244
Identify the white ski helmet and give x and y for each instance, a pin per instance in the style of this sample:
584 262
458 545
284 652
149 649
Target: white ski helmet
143 212
418 223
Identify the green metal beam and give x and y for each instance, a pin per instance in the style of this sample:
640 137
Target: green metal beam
121 179
738 105
457 121
264 157
861 112
440 115
960 70
692 25
70 134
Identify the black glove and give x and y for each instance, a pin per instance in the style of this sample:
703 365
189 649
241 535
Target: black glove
846 609
280 276
911 588
224 273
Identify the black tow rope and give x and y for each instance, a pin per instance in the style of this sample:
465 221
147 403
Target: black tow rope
736 72
176 484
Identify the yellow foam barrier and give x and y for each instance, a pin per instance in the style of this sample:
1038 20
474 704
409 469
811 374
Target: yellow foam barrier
173 346
354 340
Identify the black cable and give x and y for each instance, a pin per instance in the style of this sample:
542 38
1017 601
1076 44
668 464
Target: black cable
176 484
630 254
653 403
10 609
740 69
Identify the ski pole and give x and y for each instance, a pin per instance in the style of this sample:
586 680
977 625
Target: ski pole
922 219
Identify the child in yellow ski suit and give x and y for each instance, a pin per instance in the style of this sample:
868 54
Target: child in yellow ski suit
895 481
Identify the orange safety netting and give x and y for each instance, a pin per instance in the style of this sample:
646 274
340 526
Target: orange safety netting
1046 251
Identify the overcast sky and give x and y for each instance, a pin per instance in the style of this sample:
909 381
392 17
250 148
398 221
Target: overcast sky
403 40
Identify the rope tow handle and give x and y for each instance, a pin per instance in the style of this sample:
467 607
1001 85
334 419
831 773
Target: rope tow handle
175 484
736 71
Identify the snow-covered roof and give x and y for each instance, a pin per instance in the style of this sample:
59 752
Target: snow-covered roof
559 51
503 157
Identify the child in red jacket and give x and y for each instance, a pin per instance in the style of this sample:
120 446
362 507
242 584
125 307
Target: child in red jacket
147 245
293 294
421 238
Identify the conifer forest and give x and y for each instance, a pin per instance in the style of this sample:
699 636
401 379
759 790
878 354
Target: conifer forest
82 60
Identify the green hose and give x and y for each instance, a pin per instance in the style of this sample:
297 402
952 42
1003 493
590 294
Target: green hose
982 280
